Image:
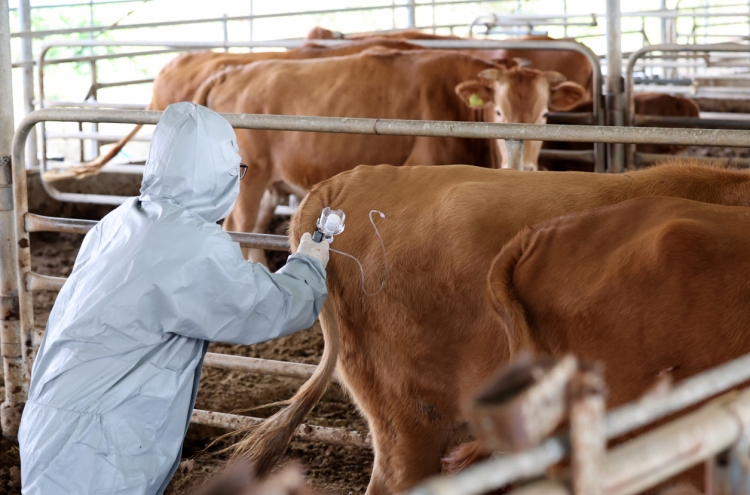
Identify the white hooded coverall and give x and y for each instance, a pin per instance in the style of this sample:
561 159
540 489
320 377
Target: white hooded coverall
116 376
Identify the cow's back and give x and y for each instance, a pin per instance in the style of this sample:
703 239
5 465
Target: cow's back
378 83
412 353
648 286
182 76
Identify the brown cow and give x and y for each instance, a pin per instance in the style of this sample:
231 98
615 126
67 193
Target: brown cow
412 353
377 84
645 104
648 286
180 78
573 65
521 96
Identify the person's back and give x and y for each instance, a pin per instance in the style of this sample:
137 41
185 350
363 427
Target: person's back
115 378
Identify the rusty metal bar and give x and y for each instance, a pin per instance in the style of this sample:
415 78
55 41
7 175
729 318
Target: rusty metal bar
496 473
658 455
587 437
39 223
36 282
335 436
11 336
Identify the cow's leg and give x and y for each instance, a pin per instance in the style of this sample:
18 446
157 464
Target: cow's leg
407 453
269 202
247 212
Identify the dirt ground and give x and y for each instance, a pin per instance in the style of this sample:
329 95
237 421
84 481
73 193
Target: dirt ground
335 469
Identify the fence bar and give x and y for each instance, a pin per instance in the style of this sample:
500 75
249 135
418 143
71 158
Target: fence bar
664 49
656 120
496 473
335 436
256 365
615 106
91 104
42 34
93 135
36 282
430 128
123 83
39 223
656 456
11 336
514 154
24 17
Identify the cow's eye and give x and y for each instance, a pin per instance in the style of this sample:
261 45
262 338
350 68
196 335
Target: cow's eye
498 113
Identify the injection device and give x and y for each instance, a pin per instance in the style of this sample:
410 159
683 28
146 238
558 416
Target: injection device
330 223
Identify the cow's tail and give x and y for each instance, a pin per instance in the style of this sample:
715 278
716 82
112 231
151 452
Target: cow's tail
267 442
502 294
94 166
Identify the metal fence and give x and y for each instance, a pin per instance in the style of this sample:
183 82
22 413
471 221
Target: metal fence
595 117
18 282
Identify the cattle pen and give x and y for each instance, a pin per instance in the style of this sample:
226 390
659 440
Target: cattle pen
719 429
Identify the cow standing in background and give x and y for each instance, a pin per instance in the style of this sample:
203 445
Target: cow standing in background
571 64
521 96
413 353
179 80
377 83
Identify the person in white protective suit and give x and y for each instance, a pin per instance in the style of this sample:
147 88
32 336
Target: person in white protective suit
114 383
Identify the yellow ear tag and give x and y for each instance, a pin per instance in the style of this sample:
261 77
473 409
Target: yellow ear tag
475 101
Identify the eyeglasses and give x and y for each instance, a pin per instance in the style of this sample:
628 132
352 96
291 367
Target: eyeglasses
243 170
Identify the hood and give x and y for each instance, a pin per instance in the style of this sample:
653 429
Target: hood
193 162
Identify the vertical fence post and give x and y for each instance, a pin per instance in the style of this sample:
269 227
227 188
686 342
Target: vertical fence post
226 31
27 57
411 15
514 154
11 340
587 432
615 85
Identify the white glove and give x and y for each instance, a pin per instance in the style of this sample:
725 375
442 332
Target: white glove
317 250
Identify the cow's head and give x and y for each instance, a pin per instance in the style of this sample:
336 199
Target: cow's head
520 96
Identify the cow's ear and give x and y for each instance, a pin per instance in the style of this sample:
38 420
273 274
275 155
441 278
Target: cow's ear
566 96
475 94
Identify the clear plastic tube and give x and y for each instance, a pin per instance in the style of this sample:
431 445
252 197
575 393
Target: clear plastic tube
385 257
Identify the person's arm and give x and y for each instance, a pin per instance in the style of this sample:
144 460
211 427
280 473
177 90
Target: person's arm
245 303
